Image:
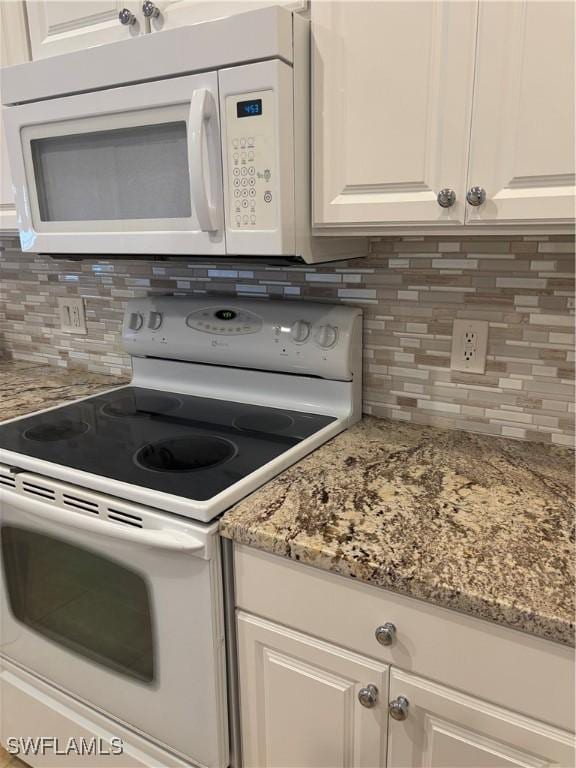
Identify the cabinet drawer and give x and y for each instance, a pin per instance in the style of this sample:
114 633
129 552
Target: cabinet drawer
509 668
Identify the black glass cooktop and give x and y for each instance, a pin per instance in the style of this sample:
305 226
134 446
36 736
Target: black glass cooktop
189 446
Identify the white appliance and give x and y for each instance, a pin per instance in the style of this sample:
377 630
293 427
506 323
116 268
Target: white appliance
195 141
111 596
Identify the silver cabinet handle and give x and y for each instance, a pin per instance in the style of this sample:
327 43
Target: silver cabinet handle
368 696
476 195
398 708
150 10
126 17
446 198
386 633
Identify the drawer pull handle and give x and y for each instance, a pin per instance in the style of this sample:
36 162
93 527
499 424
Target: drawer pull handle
398 708
386 633
368 696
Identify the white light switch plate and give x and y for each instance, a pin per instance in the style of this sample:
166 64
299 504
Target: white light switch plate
72 315
469 345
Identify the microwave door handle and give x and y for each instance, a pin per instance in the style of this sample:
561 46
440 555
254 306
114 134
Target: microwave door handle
203 129
175 541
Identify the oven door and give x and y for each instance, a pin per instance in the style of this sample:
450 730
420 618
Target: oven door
131 170
125 616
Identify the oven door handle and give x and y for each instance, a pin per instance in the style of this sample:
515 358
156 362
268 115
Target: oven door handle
157 538
202 130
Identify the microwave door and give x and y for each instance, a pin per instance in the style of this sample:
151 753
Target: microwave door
133 170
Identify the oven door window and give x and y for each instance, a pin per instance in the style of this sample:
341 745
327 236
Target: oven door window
81 600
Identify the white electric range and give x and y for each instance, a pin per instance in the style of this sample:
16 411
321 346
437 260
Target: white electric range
111 588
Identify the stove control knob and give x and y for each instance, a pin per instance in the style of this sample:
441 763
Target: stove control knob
154 320
300 331
136 321
325 336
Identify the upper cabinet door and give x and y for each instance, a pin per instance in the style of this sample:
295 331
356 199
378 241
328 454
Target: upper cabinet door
442 728
14 49
392 91
522 150
168 14
57 26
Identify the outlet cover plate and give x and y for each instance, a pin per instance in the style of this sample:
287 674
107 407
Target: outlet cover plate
72 315
469 346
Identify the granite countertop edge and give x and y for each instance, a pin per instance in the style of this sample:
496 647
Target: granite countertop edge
475 606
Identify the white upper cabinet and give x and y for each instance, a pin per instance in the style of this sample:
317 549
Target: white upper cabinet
442 728
522 150
410 98
392 94
167 14
60 26
14 49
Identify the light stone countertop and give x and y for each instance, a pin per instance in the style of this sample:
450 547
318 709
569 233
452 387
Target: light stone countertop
27 387
477 524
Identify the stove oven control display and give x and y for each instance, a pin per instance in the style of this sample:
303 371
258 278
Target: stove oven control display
252 163
224 321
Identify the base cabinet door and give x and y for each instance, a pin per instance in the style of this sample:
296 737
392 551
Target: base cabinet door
443 728
392 99
299 701
522 140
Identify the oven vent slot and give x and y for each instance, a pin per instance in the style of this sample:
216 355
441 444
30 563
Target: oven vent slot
8 481
38 490
124 517
78 502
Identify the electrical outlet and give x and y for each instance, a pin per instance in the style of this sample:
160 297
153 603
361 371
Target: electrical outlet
469 345
72 315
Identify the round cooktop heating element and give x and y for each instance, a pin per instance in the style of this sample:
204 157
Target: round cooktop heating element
56 430
141 406
185 454
264 422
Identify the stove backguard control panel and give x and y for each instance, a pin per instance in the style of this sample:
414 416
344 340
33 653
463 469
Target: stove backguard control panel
289 336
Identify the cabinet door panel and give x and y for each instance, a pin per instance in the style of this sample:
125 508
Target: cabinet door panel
176 13
13 50
522 147
299 701
392 90
447 729
57 26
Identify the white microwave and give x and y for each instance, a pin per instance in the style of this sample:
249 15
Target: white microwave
193 141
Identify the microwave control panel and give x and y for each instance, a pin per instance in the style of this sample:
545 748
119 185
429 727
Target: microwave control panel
252 162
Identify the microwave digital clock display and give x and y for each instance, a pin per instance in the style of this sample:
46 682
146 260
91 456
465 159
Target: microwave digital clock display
251 108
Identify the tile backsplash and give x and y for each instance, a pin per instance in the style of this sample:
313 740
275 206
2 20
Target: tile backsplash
411 290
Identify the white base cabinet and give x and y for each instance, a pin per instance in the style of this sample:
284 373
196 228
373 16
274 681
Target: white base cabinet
469 694
299 701
447 729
